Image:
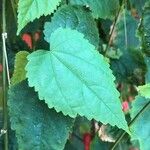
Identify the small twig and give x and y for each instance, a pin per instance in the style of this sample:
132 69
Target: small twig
113 28
93 128
125 25
5 113
67 2
130 124
4 37
14 9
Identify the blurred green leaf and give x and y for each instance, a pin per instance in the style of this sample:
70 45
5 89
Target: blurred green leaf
144 90
36 126
141 128
106 9
138 5
73 17
144 29
147 75
19 67
132 58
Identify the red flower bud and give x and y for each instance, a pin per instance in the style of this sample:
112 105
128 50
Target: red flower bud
125 106
28 40
87 141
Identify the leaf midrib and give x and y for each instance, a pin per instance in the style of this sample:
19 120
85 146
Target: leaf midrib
58 85
59 59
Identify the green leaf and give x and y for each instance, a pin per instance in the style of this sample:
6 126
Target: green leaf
129 39
132 58
138 5
144 90
144 29
73 17
28 10
141 129
73 78
147 75
37 126
81 126
19 70
106 9
77 145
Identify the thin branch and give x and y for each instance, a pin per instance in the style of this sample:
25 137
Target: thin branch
67 2
5 113
4 37
14 10
125 26
113 28
93 128
130 124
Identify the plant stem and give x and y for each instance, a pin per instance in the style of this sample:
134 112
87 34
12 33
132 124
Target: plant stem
113 28
5 117
93 128
130 124
125 25
14 10
67 2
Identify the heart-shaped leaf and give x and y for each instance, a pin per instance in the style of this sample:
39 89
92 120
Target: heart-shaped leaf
75 79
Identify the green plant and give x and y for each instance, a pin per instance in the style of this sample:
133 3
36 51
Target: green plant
77 63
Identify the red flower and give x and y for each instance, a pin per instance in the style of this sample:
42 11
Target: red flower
87 141
28 40
125 106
